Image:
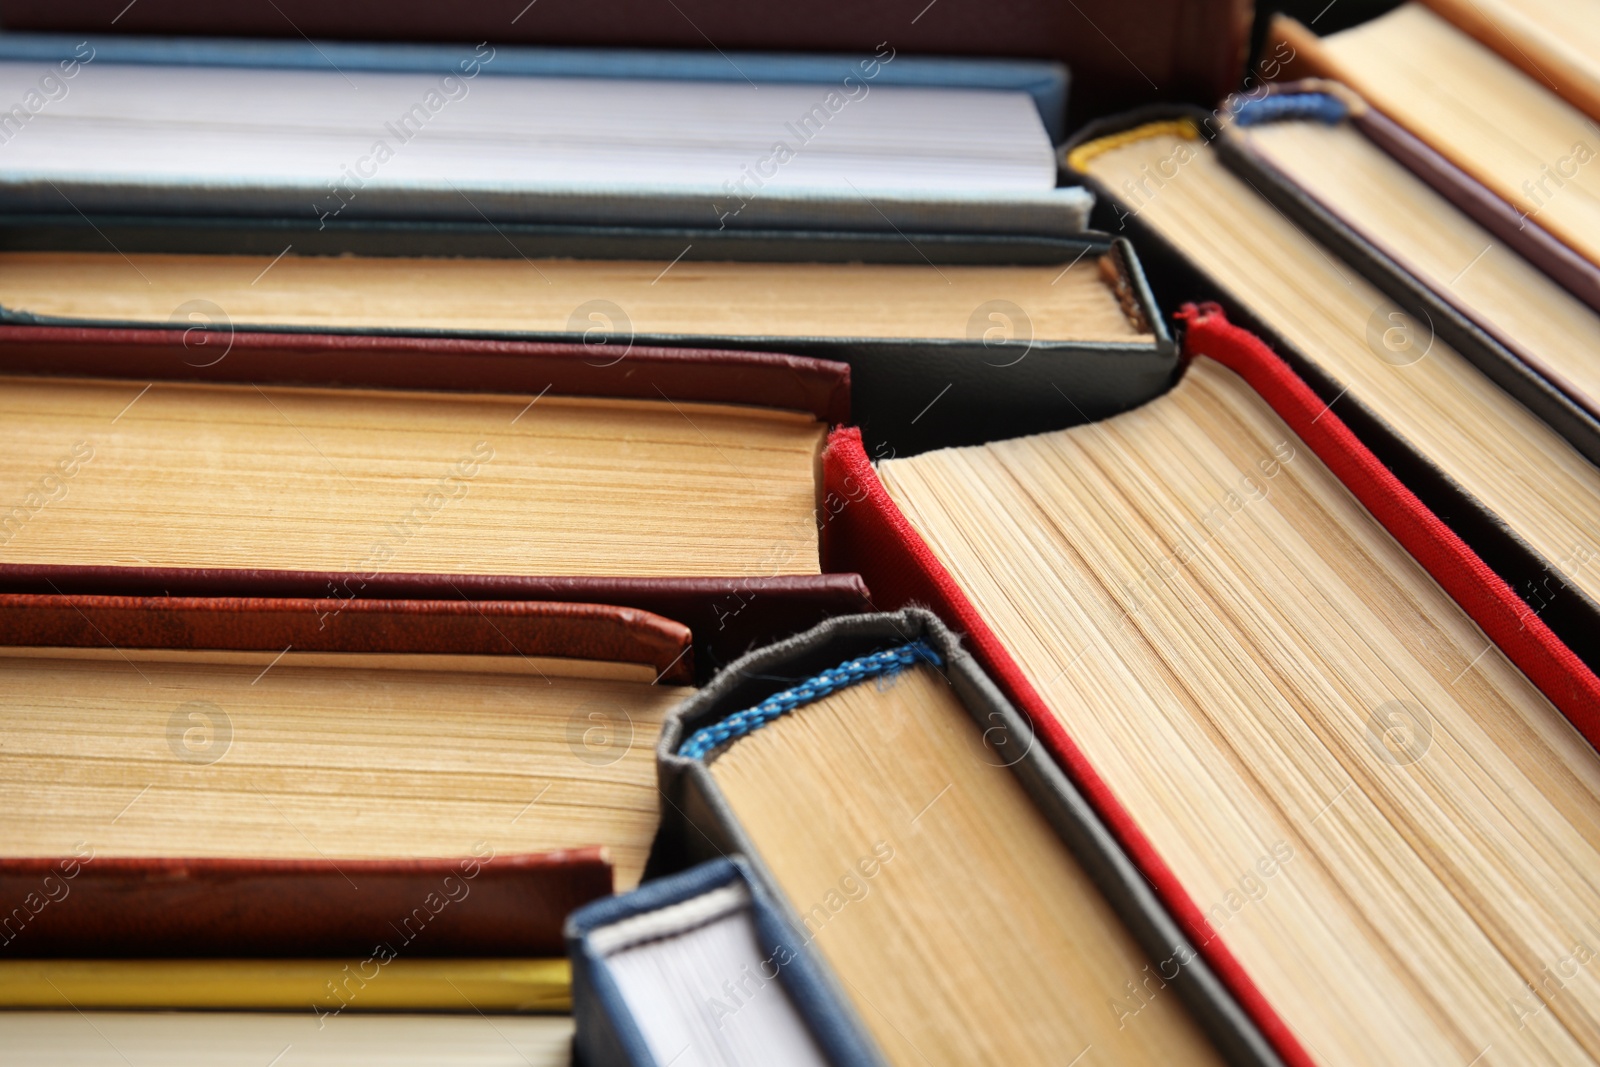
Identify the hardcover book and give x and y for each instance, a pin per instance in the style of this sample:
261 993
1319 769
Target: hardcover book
703 962
1320 155
280 778
234 1039
1556 42
1319 725
482 136
1509 130
948 341
374 979
211 462
966 902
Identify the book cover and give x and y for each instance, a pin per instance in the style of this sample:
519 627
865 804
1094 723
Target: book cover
995 374
240 906
805 996
691 144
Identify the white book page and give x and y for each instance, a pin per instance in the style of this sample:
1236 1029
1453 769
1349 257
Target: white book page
709 997
183 125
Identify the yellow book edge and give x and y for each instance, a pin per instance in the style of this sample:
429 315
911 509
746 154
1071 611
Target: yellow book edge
323 986
1078 159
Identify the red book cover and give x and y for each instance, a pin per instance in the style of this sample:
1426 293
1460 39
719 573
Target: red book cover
877 539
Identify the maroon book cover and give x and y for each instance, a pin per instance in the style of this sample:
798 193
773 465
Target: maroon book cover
596 632
124 907
214 353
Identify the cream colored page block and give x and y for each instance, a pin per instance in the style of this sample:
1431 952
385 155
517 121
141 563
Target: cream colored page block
1558 39
977 939
1515 464
367 482
301 1039
154 758
1435 241
1063 301
1498 124
1231 664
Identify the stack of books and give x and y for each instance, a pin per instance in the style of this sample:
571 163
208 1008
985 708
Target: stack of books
546 553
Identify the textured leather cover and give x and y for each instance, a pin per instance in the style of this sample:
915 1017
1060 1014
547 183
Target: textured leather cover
700 824
445 364
1119 53
909 395
606 1031
1505 362
726 616
1569 612
494 628
113 907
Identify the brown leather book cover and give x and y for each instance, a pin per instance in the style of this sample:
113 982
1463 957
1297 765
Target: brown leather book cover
248 908
533 629
1119 53
726 617
217 353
